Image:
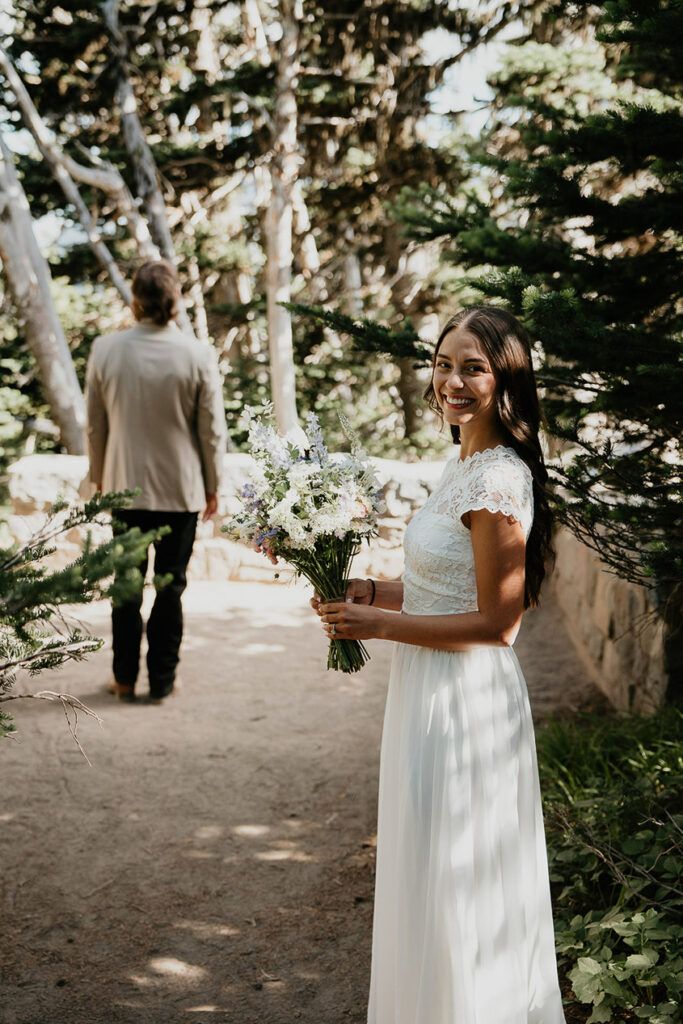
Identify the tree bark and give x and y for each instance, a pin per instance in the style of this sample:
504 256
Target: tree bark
255 35
144 165
193 213
142 159
284 167
413 267
353 279
28 280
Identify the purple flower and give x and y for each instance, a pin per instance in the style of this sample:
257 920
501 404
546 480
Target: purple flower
315 435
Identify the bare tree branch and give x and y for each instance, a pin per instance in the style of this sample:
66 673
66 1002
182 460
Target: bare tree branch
70 704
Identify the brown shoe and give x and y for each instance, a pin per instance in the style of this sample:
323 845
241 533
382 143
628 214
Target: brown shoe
121 692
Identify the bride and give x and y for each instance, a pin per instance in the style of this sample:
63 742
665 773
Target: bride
463 929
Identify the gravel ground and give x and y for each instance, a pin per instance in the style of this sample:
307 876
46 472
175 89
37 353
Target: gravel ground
215 863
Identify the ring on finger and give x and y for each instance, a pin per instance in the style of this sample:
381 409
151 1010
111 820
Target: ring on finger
333 630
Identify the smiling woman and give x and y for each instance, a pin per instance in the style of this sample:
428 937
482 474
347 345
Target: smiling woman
463 381
463 925
499 377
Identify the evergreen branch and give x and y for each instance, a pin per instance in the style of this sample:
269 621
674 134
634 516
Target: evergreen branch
367 335
31 596
64 651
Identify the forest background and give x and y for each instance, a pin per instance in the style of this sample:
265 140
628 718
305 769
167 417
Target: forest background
328 155
332 187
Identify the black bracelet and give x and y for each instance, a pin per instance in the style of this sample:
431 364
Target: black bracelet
372 584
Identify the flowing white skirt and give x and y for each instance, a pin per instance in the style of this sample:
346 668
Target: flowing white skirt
463 930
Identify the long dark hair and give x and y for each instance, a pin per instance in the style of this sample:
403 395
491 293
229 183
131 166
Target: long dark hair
508 348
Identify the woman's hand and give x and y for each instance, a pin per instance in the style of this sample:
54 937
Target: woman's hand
357 592
350 620
360 591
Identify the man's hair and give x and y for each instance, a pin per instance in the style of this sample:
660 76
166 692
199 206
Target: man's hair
155 292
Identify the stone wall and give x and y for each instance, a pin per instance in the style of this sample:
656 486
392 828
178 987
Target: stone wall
36 481
613 624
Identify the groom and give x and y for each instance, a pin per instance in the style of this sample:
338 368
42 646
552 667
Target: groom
156 423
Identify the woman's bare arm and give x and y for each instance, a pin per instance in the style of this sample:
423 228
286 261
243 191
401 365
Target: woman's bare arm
388 594
499 553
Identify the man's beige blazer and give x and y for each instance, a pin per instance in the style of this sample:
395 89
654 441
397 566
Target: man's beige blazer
156 419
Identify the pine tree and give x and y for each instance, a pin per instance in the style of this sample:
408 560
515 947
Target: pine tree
579 235
204 83
368 139
35 634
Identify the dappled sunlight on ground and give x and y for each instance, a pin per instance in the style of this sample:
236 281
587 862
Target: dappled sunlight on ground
216 861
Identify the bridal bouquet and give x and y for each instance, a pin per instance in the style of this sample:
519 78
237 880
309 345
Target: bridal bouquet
310 509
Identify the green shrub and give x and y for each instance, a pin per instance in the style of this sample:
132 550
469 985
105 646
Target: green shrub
613 797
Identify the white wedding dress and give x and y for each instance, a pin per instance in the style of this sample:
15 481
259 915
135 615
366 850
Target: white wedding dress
463 930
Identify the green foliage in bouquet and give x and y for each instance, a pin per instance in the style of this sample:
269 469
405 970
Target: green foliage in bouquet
613 802
311 509
34 634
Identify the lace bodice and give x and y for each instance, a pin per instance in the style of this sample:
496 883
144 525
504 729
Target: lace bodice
439 560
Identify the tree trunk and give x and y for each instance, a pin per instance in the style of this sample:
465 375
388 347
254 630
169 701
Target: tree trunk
142 159
254 33
194 213
284 167
412 269
205 59
144 166
102 175
410 390
28 280
353 279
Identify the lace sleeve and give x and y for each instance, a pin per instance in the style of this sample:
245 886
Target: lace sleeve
499 482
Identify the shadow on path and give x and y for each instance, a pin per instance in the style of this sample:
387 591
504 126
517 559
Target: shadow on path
215 863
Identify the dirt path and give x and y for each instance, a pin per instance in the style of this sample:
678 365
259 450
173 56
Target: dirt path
215 863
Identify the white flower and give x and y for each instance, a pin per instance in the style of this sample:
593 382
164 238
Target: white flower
323 497
258 479
301 473
296 436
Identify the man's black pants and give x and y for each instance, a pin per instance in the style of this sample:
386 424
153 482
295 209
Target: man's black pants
165 625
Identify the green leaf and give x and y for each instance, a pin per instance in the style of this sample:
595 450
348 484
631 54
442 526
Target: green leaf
600 1015
642 961
587 965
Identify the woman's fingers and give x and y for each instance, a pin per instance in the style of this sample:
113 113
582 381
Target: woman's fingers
357 591
348 620
330 613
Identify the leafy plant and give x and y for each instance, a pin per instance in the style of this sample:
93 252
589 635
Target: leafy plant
626 961
613 795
